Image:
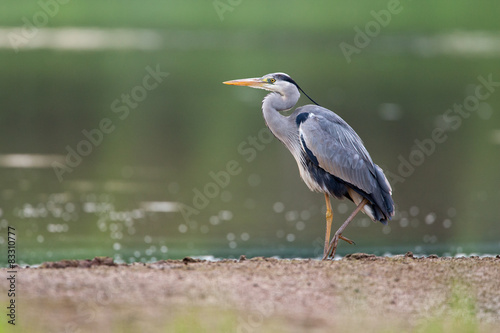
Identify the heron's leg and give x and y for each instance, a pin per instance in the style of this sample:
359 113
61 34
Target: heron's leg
329 219
338 235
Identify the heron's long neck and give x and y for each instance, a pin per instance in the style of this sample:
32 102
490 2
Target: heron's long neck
280 125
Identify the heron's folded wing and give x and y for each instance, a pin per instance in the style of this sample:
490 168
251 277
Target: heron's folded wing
338 150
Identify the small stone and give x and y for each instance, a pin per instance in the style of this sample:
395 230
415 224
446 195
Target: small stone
106 261
187 260
409 254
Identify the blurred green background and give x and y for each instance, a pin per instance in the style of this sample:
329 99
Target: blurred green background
67 68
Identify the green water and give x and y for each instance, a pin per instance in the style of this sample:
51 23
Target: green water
184 165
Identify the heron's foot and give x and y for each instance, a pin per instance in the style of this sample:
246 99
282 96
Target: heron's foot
330 253
347 240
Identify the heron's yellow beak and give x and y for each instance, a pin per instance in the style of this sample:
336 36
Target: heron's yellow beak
256 82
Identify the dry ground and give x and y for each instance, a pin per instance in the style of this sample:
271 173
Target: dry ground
359 293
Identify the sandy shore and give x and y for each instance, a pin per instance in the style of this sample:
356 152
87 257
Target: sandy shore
360 293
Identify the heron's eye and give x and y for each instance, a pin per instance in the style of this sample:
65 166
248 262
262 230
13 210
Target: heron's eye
271 80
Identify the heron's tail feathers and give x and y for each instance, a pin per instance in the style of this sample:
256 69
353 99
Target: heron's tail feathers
383 199
381 206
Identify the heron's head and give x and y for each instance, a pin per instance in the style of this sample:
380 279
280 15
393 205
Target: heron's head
280 83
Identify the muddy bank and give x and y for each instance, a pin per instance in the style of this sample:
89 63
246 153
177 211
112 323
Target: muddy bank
360 292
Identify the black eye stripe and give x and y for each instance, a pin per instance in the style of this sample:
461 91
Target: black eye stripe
285 78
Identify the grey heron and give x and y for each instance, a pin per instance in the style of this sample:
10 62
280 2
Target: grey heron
330 155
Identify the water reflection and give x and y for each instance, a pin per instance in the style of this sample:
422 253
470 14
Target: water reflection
454 44
79 39
29 160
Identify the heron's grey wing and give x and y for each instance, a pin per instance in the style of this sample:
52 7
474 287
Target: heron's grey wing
338 149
